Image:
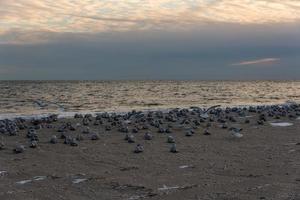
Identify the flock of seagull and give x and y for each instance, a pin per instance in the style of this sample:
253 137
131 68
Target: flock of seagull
134 122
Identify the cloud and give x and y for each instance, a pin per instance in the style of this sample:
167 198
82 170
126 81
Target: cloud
94 16
258 62
198 54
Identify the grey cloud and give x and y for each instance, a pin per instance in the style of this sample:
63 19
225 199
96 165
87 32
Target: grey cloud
204 53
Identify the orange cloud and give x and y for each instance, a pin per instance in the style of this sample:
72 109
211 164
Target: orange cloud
92 16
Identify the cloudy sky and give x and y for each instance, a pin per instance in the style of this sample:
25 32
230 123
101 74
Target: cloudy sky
150 39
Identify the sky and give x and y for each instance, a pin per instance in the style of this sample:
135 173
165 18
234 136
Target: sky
149 39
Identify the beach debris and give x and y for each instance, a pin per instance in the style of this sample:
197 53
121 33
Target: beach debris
173 148
23 182
186 166
141 191
79 180
166 188
53 139
170 139
139 148
39 178
260 187
36 178
148 136
136 197
292 150
19 149
292 143
281 124
129 168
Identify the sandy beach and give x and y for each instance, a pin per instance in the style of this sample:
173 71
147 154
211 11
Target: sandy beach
150 100
263 163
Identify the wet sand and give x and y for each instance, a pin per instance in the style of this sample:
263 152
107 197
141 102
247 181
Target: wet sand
263 164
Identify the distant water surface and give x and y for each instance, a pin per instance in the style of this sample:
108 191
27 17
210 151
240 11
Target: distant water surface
42 97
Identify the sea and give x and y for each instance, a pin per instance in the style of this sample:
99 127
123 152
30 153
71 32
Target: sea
65 98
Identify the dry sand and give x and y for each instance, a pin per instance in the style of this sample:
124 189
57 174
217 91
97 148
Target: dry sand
264 164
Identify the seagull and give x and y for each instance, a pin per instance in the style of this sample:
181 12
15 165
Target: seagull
139 148
173 148
236 132
205 114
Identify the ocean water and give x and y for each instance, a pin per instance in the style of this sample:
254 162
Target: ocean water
31 98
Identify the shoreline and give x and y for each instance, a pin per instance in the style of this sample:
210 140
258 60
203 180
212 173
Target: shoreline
70 114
